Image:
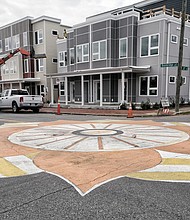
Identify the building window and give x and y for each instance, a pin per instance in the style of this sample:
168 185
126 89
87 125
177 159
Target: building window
72 56
185 41
38 37
62 88
99 50
54 32
174 39
149 45
40 90
82 53
183 80
8 45
54 60
1 46
16 41
26 66
123 48
39 65
12 67
62 58
172 79
25 39
148 85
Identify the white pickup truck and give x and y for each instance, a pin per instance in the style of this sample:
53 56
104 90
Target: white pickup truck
17 99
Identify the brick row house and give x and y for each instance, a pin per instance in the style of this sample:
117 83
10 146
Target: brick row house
38 36
118 56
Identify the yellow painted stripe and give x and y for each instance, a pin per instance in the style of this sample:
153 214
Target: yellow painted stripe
178 161
185 176
8 169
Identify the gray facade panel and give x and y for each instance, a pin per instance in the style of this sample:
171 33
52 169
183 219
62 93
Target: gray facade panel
83 30
123 32
81 66
99 25
82 39
99 35
99 64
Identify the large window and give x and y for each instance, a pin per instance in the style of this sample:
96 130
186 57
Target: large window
39 65
148 85
123 48
99 50
149 45
82 53
12 67
25 39
39 37
26 66
8 45
72 57
62 58
16 41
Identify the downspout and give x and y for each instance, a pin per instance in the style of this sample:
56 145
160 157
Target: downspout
167 57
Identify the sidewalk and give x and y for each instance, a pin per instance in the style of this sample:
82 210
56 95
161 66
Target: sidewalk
112 112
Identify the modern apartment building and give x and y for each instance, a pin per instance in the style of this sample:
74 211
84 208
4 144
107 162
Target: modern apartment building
120 55
38 36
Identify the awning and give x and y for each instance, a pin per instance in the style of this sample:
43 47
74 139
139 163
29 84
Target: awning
110 70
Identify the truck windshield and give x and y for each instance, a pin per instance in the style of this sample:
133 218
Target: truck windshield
19 92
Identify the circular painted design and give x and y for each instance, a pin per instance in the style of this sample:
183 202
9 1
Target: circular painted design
97 137
97 132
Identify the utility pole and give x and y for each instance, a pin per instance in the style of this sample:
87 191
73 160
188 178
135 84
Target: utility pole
180 58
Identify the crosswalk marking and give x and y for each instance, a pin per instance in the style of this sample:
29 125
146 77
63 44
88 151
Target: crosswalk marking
17 166
8 169
174 167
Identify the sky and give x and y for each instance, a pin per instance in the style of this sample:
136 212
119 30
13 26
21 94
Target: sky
70 12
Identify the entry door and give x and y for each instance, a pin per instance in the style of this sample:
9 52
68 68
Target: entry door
72 91
96 91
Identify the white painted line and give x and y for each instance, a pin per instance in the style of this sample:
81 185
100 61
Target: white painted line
24 163
169 168
166 154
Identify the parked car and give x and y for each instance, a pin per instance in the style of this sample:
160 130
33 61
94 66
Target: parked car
17 99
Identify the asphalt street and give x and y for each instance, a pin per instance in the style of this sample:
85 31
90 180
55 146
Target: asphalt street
44 196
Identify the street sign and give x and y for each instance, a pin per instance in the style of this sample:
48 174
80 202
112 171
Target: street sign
169 65
184 68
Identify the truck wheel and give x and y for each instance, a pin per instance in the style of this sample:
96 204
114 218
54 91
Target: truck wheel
15 107
36 110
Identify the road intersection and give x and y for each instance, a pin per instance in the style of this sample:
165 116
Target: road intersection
89 154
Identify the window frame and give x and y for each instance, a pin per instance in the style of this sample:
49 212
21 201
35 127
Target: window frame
25 39
150 48
39 67
185 43
82 53
126 40
15 41
26 66
62 58
148 86
98 53
38 39
71 55
174 42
